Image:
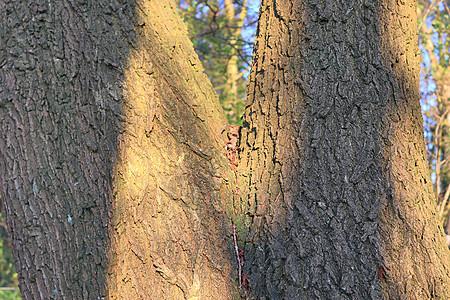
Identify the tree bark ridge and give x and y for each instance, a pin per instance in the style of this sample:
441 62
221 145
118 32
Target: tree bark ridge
59 108
171 231
333 156
114 180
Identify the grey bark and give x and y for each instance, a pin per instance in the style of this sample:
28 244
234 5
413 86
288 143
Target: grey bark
113 178
60 113
333 161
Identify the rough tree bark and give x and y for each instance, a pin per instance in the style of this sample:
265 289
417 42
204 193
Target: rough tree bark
115 185
111 172
172 234
333 166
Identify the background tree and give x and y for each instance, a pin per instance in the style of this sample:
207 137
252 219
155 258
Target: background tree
223 33
434 27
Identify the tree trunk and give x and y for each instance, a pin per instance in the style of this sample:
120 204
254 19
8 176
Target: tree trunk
171 238
112 176
333 171
114 181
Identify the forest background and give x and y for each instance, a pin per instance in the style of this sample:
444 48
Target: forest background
223 34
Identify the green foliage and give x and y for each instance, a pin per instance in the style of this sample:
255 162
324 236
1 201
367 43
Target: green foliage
10 294
220 42
8 276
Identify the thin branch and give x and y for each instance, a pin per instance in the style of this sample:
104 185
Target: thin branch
444 201
431 153
426 15
446 7
236 248
444 161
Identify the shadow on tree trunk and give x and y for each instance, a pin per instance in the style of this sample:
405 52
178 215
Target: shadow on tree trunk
113 177
335 178
116 185
170 210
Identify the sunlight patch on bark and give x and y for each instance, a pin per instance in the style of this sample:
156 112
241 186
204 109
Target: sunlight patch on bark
168 240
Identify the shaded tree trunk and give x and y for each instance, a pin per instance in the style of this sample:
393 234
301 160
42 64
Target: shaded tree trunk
60 103
112 175
333 167
114 180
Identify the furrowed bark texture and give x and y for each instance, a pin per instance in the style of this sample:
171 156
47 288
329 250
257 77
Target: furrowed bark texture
171 235
333 169
111 183
59 109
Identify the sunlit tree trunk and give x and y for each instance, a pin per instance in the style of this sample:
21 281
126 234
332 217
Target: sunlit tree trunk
111 172
333 167
171 232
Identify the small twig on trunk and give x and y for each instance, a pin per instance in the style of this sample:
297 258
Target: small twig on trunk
236 248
